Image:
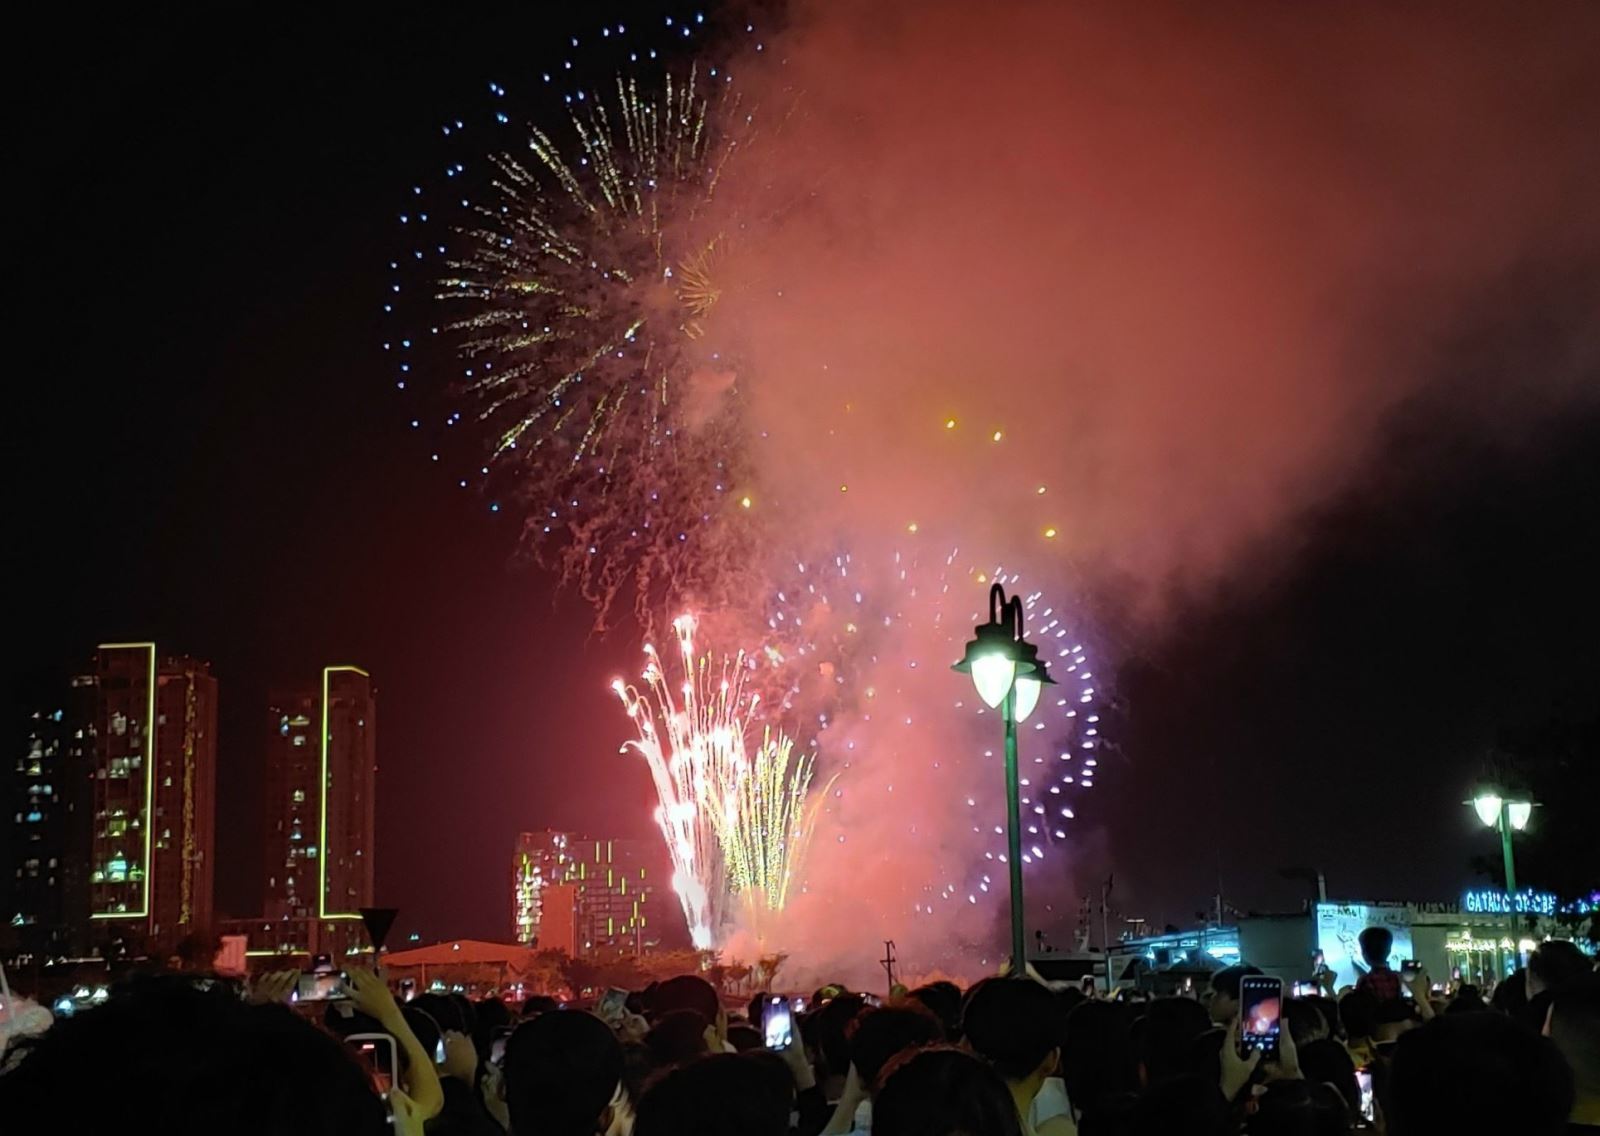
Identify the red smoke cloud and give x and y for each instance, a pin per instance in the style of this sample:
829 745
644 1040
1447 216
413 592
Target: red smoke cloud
1186 259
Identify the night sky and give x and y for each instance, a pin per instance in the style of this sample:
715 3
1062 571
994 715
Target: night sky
208 452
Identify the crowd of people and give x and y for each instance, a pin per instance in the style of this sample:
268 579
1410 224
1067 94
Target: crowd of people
1012 1055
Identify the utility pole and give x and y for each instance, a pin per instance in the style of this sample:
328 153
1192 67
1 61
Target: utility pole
1105 929
888 961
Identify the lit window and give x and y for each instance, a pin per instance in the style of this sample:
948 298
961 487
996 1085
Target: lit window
299 796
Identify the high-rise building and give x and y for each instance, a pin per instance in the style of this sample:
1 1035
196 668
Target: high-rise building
44 889
293 805
349 776
616 891
152 792
320 794
540 859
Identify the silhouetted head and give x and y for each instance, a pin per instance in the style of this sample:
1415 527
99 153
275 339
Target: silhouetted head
561 1073
943 1091
186 1057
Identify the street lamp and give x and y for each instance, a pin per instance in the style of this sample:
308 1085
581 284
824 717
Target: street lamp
1008 673
1496 811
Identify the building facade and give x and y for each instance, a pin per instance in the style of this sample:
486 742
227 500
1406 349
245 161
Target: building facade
614 888
320 796
152 798
45 887
348 781
292 802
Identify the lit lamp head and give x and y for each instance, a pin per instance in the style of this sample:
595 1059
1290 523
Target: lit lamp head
991 656
1033 675
1487 806
1519 812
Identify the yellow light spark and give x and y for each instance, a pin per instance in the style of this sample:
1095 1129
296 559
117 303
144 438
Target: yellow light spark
744 501
912 527
844 489
949 423
1041 489
1050 532
998 435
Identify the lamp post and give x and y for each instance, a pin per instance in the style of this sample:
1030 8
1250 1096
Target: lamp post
1010 676
1496 811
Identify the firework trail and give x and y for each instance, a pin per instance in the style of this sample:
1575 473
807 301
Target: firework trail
736 825
765 822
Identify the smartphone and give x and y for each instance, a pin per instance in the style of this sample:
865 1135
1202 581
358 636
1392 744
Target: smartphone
1306 990
1261 1013
1364 1083
798 1003
611 1007
377 1054
322 986
1410 966
777 1023
497 1044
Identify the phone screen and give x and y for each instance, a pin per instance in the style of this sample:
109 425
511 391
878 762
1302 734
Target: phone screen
321 986
777 1023
497 1047
611 1007
1364 1083
1261 1012
376 1054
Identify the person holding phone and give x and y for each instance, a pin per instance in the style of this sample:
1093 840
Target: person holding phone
421 1098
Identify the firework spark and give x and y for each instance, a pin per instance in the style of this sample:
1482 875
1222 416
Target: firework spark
582 278
736 825
764 823
861 648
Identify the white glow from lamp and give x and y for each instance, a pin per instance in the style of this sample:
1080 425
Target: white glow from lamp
1519 811
1028 690
992 674
1488 808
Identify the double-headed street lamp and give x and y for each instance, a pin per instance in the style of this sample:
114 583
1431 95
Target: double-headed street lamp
1008 672
1496 811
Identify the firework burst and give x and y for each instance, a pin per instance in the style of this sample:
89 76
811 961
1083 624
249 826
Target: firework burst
861 648
576 284
736 825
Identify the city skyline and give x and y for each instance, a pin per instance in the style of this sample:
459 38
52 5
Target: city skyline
116 811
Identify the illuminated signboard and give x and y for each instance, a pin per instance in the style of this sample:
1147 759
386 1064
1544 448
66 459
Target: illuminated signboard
1489 901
